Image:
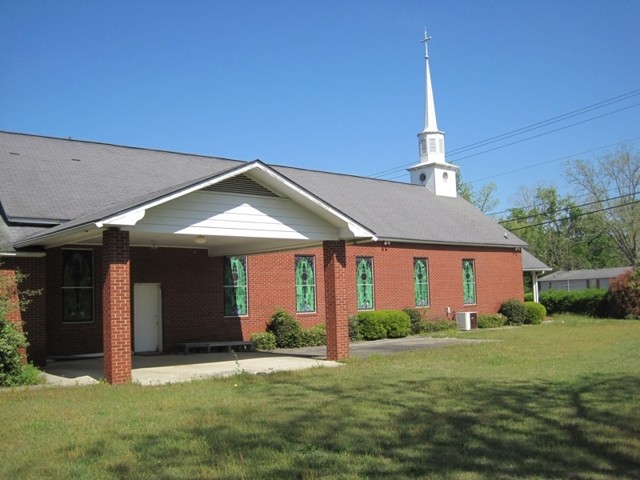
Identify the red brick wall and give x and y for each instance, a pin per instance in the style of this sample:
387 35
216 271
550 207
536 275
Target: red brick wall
72 338
116 306
498 276
335 268
193 301
192 297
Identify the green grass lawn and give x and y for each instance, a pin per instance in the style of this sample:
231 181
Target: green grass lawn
558 400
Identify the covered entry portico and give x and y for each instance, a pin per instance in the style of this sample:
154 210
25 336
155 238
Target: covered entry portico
248 210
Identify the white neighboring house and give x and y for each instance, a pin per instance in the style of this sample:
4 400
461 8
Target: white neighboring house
580 279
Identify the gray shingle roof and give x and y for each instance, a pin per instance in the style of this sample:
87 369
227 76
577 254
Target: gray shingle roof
589 274
63 180
58 179
402 211
533 264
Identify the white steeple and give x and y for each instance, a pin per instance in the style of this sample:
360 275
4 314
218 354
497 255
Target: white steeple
433 171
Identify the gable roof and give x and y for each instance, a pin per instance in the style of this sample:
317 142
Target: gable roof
405 212
530 263
51 181
587 274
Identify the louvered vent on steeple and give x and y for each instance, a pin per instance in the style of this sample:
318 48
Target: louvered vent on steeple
241 184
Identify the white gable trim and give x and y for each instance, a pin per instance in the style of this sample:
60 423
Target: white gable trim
349 229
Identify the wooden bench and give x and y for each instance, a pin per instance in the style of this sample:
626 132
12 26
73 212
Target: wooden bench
231 344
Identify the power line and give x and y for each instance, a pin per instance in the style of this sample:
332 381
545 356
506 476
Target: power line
542 204
548 132
549 121
570 207
533 165
572 217
531 127
567 157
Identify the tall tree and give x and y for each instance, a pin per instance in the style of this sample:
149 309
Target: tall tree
612 185
484 199
558 231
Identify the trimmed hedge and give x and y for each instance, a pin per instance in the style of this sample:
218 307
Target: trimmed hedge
513 309
534 313
379 324
591 302
286 329
370 326
288 333
438 325
314 336
264 341
491 320
354 329
415 316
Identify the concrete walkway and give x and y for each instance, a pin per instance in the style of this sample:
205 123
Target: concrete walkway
170 368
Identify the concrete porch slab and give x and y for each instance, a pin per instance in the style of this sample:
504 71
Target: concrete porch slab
162 369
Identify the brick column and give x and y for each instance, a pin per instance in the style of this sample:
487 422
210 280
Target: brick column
335 291
116 306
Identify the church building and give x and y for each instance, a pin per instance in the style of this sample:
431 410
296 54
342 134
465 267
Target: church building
137 250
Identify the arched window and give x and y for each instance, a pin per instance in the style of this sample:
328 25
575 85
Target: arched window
468 282
421 281
364 282
305 284
235 286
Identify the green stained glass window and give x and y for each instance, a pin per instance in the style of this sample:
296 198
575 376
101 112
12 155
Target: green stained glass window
235 286
364 283
305 284
77 285
421 281
469 282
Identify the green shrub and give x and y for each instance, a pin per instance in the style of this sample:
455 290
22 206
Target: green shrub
624 295
314 336
513 309
286 329
415 316
591 302
396 323
12 341
371 327
354 329
438 325
264 341
383 324
528 297
534 313
494 320
13 369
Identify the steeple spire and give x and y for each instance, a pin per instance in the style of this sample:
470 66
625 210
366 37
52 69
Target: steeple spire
431 140
433 171
430 123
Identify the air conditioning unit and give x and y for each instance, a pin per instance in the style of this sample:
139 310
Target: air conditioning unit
467 320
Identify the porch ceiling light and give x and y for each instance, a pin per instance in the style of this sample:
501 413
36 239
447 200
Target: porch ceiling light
200 240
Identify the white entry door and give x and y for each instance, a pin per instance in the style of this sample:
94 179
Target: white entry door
147 317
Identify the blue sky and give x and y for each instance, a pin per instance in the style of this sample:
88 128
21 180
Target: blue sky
331 85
